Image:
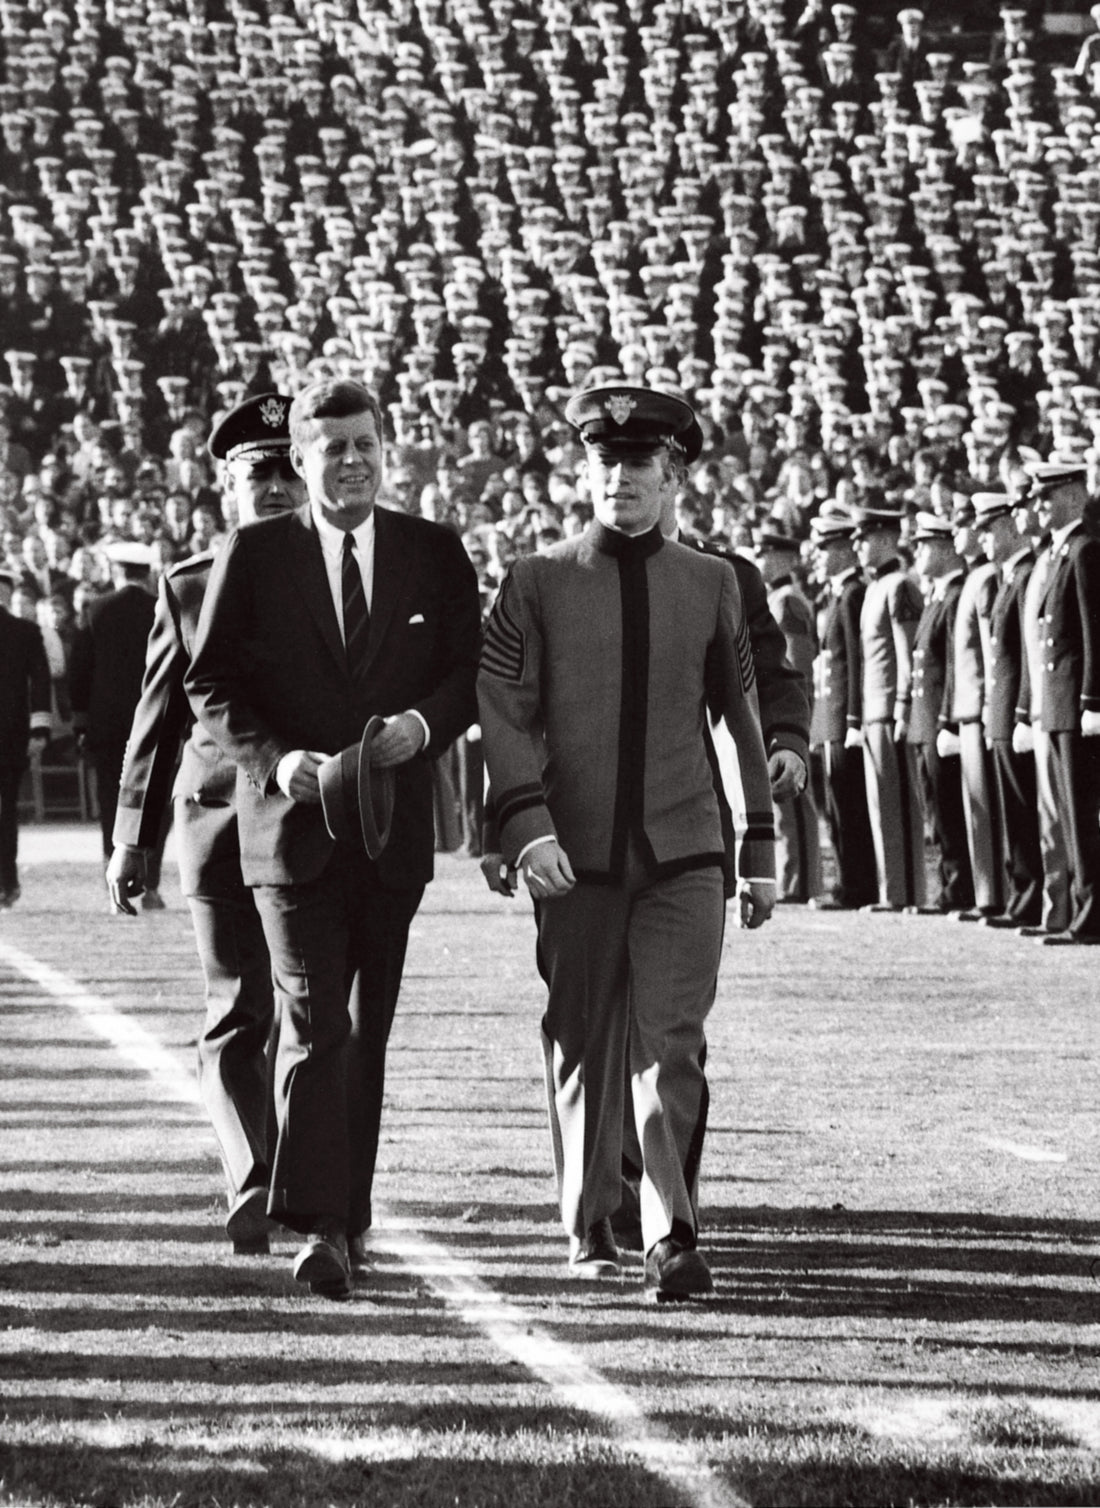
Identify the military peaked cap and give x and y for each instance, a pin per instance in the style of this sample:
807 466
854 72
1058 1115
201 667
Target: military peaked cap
635 420
256 428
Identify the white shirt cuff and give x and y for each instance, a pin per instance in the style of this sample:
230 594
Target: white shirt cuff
534 843
423 723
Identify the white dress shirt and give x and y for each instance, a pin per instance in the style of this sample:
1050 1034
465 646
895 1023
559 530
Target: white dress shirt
332 548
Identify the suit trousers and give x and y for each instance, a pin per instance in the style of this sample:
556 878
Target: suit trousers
337 946
1052 838
1018 825
979 805
11 777
941 797
890 772
849 825
237 1046
798 848
1077 780
631 970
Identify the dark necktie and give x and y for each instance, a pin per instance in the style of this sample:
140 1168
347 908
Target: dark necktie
356 615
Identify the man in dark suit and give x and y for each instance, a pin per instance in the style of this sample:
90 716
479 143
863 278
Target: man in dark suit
24 724
105 674
253 442
845 785
312 624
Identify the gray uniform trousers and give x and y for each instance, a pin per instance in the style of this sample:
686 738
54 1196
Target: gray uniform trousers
893 805
980 810
631 970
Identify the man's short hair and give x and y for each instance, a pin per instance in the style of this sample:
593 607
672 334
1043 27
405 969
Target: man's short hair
332 398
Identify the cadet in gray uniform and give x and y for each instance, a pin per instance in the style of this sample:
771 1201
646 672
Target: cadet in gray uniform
888 622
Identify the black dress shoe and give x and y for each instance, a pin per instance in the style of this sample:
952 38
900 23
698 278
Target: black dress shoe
594 1256
876 906
827 903
323 1263
247 1224
1001 923
1033 932
676 1271
1068 940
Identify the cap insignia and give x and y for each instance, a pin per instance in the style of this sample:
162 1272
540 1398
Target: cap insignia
272 412
620 407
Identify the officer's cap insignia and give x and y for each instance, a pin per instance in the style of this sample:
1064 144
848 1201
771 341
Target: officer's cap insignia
272 412
620 407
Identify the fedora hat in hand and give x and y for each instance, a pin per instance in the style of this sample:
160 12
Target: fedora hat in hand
356 798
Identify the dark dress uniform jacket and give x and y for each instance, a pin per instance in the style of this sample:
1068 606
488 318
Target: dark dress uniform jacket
934 665
1005 675
840 654
24 686
1070 626
107 666
269 675
208 851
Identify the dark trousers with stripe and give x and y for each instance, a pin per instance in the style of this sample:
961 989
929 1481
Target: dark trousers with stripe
849 826
942 799
631 971
1018 825
890 770
1077 782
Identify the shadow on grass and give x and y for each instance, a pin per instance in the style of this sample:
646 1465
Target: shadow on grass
818 1483
284 1478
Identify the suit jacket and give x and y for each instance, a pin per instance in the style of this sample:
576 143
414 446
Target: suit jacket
795 617
888 621
24 687
207 847
107 665
601 659
1005 675
269 675
1070 627
971 641
840 659
934 665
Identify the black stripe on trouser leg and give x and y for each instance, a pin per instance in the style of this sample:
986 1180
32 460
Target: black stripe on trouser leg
906 820
633 706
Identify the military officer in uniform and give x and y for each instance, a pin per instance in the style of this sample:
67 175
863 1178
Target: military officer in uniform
839 705
798 841
942 573
24 725
971 653
1070 627
1029 737
887 627
105 675
1014 774
601 659
253 443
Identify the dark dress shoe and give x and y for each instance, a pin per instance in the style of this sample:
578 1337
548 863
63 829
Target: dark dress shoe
1033 932
1068 940
323 1264
926 910
594 1256
1001 923
827 903
676 1271
877 906
247 1224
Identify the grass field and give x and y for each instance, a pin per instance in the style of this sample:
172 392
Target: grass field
901 1193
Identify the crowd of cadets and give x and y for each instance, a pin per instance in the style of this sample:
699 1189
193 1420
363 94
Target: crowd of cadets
870 258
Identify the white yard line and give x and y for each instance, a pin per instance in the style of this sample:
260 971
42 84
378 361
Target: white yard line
451 1278
1022 1151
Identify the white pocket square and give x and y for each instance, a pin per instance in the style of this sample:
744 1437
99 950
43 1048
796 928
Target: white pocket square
416 618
